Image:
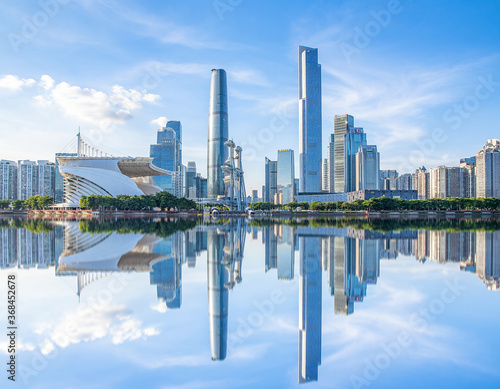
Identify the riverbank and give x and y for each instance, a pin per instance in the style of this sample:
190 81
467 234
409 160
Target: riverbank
88 214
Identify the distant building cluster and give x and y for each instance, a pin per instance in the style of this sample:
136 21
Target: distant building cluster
167 154
23 179
477 176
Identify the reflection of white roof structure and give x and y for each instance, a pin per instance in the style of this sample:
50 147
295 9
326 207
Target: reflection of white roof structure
107 176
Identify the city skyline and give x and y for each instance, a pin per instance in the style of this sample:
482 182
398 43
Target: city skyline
403 102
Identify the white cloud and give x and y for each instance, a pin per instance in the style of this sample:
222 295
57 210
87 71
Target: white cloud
151 98
14 82
92 323
46 82
160 121
159 307
90 105
248 76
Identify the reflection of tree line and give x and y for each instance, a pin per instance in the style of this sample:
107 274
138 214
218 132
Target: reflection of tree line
35 226
385 225
159 228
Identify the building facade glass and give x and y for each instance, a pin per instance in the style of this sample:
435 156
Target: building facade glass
286 175
218 133
310 124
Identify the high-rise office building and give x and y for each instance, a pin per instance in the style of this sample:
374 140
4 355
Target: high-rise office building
167 154
190 175
310 124
218 133
347 140
271 181
342 125
286 175
404 182
388 179
354 139
367 168
331 164
488 170
8 180
201 187
324 175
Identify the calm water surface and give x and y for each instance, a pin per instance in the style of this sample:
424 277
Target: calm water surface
254 304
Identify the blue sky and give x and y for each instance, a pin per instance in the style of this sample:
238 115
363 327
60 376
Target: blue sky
421 77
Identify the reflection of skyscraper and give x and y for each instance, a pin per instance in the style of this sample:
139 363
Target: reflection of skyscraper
271 247
218 299
286 253
488 258
310 121
342 303
309 309
218 133
166 275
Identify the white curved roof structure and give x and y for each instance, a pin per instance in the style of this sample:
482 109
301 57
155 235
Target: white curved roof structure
107 176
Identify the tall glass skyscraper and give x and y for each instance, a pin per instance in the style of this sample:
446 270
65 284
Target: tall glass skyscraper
218 133
342 125
286 175
167 154
347 140
271 181
310 125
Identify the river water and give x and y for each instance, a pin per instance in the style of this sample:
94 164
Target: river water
334 303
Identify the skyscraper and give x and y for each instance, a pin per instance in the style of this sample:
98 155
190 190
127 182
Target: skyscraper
286 175
331 164
324 175
167 154
35 178
488 170
342 125
190 175
8 180
271 180
218 133
310 125
422 181
367 168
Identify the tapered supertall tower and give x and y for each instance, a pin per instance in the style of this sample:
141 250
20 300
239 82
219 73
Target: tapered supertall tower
310 125
217 133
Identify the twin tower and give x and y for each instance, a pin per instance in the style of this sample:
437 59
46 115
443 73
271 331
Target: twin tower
310 127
